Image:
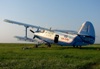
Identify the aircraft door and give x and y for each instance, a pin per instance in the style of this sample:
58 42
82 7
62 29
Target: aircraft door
56 38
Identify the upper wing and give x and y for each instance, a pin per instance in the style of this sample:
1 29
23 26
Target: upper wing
24 24
28 25
67 31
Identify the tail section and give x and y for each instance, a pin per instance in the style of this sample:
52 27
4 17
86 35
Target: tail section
87 32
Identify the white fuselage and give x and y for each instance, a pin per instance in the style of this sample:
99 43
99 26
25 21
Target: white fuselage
55 37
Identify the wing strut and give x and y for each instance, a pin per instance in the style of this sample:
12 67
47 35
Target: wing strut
26 27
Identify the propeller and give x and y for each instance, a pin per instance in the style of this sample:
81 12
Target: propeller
38 30
34 34
32 31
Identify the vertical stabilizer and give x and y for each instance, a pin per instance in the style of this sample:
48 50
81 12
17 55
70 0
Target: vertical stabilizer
87 30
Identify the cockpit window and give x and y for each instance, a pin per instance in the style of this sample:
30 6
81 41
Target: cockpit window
42 31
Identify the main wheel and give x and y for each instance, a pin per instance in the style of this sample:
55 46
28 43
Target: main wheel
36 46
49 45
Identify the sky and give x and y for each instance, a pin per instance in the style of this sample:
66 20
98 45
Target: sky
58 14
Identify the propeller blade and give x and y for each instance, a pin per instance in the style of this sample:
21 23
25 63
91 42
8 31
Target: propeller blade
34 37
32 31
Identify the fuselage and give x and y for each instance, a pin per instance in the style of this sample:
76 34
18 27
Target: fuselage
60 38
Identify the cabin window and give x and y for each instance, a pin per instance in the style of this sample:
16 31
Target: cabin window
65 35
70 37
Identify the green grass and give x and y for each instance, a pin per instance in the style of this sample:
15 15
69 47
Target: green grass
12 56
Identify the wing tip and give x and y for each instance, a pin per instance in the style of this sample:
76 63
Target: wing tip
6 20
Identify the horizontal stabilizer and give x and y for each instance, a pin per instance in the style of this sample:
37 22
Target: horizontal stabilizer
25 39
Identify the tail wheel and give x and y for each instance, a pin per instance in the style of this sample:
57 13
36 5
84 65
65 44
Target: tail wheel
80 47
74 46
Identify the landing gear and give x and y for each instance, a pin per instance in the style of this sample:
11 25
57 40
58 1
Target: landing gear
36 46
77 46
73 46
48 44
80 47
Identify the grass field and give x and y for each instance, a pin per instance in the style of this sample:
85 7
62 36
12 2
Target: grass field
12 56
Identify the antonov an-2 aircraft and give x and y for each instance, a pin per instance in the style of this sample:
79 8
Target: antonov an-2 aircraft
85 35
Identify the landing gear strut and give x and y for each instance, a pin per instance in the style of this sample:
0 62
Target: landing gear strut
48 44
36 46
80 47
74 46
